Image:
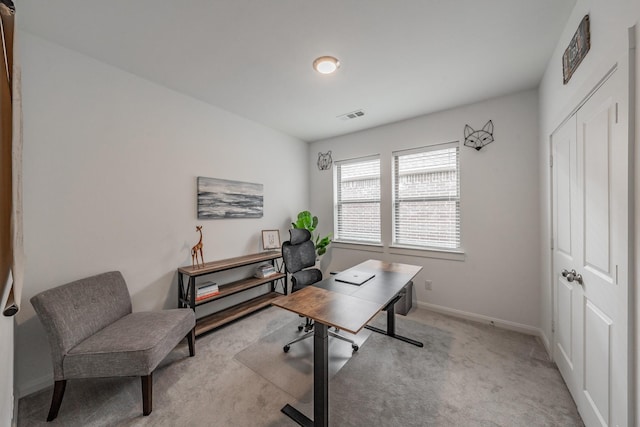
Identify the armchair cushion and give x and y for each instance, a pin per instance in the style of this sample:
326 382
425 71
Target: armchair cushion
131 346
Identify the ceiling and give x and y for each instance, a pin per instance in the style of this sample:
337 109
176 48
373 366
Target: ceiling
400 58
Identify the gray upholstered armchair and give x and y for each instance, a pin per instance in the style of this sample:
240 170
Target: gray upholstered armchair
93 333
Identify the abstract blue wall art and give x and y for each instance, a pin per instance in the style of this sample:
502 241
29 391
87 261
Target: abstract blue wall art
221 198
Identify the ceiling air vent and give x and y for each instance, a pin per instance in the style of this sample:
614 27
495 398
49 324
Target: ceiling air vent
352 115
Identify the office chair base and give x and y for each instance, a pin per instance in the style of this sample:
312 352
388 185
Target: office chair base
307 325
287 346
354 346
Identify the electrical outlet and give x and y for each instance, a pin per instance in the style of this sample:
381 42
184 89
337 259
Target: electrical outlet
427 285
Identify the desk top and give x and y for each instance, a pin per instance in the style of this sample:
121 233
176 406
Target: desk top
350 307
338 310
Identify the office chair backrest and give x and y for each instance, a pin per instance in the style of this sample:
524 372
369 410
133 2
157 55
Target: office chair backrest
299 253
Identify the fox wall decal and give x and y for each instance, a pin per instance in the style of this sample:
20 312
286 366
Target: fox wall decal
478 138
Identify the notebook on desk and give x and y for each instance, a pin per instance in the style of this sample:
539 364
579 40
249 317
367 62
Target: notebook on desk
354 277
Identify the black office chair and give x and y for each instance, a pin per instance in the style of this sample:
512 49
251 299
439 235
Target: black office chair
298 254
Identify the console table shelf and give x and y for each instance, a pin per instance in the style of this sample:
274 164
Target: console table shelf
187 288
239 286
220 318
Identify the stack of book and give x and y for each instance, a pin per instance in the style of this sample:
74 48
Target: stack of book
206 290
265 270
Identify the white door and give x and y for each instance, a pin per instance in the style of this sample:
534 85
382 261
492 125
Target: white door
590 255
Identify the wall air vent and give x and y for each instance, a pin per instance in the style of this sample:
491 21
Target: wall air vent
351 115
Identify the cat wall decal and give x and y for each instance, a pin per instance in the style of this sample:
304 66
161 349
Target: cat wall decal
324 161
478 138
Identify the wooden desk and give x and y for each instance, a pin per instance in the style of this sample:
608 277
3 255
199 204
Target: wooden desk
349 307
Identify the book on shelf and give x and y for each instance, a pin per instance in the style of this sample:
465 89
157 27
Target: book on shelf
206 290
206 287
207 284
206 296
265 270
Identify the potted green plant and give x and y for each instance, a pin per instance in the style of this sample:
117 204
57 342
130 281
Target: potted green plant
309 222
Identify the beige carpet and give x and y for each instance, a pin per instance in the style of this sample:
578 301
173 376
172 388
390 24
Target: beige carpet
292 372
467 375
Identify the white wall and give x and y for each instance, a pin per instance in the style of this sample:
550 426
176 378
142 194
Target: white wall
498 278
609 42
110 167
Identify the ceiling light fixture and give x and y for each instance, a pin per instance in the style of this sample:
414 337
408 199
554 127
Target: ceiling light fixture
326 64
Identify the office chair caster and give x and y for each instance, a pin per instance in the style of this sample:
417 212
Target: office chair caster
300 327
286 348
355 347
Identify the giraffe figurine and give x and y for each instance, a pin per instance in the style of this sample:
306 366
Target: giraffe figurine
197 248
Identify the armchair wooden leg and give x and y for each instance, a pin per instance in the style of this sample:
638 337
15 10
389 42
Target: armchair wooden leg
56 400
147 394
191 339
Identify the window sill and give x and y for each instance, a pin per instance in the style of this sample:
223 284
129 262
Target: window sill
367 247
451 255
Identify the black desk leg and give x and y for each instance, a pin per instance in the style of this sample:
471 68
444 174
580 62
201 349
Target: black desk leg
391 325
321 375
320 382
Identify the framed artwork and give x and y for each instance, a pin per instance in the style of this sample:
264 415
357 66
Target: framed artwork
577 50
271 239
221 198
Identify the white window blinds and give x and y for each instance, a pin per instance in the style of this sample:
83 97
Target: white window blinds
357 200
426 199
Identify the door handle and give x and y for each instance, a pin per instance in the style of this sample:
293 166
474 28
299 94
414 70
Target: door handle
572 276
578 278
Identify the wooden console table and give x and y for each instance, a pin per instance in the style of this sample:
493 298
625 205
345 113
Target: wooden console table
187 288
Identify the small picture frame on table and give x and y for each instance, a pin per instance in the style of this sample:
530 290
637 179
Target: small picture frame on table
270 239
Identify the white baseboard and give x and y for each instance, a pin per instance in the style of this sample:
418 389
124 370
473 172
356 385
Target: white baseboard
504 324
34 386
14 417
546 343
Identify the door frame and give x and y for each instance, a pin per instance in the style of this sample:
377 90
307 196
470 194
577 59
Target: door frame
552 244
627 66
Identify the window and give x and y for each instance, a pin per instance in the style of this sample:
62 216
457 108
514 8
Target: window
426 197
357 200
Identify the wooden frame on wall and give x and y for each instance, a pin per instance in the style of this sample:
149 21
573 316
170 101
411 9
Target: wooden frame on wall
577 49
270 239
